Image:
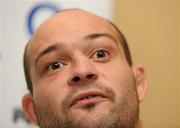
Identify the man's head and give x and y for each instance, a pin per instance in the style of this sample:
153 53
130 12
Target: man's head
80 74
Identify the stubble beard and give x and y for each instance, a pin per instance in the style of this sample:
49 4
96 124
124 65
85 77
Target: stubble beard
123 114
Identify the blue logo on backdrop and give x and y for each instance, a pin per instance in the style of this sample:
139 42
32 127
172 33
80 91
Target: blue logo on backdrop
37 9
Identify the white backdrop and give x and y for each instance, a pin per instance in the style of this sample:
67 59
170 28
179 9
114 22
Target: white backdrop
14 35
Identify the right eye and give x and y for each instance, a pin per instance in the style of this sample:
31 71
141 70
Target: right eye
55 66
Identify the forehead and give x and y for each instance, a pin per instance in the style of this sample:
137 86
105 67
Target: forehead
67 26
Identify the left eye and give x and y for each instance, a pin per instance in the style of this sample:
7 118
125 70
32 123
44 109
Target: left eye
101 54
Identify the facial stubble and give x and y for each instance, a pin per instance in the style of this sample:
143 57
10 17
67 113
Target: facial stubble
123 114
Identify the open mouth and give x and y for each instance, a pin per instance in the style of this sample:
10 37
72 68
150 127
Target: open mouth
90 96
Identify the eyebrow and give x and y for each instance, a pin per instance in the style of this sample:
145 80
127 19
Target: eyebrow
49 49
60 45
97 35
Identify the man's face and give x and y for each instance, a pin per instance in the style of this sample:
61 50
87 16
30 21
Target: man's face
80 75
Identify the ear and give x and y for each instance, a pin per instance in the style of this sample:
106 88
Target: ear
28 108
141 81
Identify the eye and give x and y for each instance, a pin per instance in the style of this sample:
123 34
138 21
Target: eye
101 54
55 66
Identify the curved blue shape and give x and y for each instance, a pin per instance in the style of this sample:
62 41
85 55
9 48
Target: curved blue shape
34 10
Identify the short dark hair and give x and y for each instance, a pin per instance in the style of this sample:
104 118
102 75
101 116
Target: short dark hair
124 44
121 38
26 69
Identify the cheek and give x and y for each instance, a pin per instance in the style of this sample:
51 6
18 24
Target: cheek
49 94
118 76
115 71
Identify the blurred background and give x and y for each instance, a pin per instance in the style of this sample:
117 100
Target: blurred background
152 29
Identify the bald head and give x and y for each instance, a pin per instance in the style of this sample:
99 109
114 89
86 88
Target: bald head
68 26
68 21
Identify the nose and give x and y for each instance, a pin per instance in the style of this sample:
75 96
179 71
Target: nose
83 72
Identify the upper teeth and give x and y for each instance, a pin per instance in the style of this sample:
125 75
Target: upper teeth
87 97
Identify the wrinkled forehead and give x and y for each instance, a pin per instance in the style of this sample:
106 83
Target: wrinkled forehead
68 25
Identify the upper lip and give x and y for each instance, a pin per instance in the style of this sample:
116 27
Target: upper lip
89 92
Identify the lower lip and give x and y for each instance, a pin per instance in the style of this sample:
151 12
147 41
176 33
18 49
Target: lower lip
84 102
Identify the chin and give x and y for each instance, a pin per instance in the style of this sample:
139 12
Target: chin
91 113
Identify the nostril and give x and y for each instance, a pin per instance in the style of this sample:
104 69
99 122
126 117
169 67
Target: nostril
90 76
76 79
